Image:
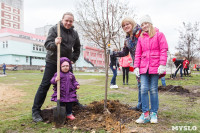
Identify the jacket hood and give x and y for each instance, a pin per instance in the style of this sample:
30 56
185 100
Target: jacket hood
63 59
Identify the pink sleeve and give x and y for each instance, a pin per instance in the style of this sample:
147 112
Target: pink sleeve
138 53
121 61
130 59
163 48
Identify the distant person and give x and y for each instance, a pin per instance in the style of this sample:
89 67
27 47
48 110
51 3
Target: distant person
70 48
179 65
163 81
197 67
4 68
150 63
114 64
68 87
186 66
125 64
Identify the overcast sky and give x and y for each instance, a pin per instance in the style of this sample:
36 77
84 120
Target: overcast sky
167 15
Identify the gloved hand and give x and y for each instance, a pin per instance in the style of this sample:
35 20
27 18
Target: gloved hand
109 51
137 72
161 69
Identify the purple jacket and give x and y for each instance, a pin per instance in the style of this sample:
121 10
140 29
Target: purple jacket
151 53
68 85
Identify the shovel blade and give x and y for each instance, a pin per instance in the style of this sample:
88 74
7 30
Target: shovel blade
59 116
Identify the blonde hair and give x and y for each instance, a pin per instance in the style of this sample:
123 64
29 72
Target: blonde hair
131 21
151 31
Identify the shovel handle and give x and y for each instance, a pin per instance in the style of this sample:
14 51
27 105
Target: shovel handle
58 62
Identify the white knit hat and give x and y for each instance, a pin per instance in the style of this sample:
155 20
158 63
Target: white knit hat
145 18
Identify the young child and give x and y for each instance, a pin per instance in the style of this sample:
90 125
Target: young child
125 64
113 66
150 62
68 86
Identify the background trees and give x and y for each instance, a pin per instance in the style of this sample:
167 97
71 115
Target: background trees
100 23
189 45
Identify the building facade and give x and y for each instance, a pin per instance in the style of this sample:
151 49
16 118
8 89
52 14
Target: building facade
94 55
21 48
43 31
12 14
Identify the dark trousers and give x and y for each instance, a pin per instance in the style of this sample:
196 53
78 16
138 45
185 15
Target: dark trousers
68 106
185 71
113 80
181 68
125 73
4 71
50 70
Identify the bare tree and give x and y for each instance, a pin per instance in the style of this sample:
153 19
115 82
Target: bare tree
188 45
100 21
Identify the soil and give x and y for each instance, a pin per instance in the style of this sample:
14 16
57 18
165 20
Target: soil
94 117
179 90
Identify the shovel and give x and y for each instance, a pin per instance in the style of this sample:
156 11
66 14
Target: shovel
59 113
173 75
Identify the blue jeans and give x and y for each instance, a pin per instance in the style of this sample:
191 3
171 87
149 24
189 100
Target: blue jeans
139 105
163 81
149 83
181 68
113 81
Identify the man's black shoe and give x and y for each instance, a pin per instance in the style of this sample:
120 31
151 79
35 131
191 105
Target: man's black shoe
81 106
36 117
136 109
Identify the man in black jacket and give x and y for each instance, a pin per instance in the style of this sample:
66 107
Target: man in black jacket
179 65
70 48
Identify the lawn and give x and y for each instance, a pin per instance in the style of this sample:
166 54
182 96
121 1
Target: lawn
18 89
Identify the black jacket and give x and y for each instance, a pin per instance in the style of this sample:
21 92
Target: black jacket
178 62
114 61
70 45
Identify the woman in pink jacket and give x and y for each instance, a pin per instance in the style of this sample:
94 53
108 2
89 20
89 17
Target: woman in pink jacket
125 64
150 62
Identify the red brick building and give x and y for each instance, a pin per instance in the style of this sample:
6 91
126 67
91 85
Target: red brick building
94 55
11 14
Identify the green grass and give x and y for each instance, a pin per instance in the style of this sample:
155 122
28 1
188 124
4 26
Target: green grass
174 110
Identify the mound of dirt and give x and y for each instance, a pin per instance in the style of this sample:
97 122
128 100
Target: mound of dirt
94 117
178 90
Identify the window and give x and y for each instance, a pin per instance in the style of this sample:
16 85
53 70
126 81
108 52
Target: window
33 47
40 49
6 44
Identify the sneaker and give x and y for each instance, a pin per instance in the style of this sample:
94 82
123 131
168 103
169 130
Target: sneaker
36 117
135 108
154 118
71 117
115 86
112 86
144 118
123 83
